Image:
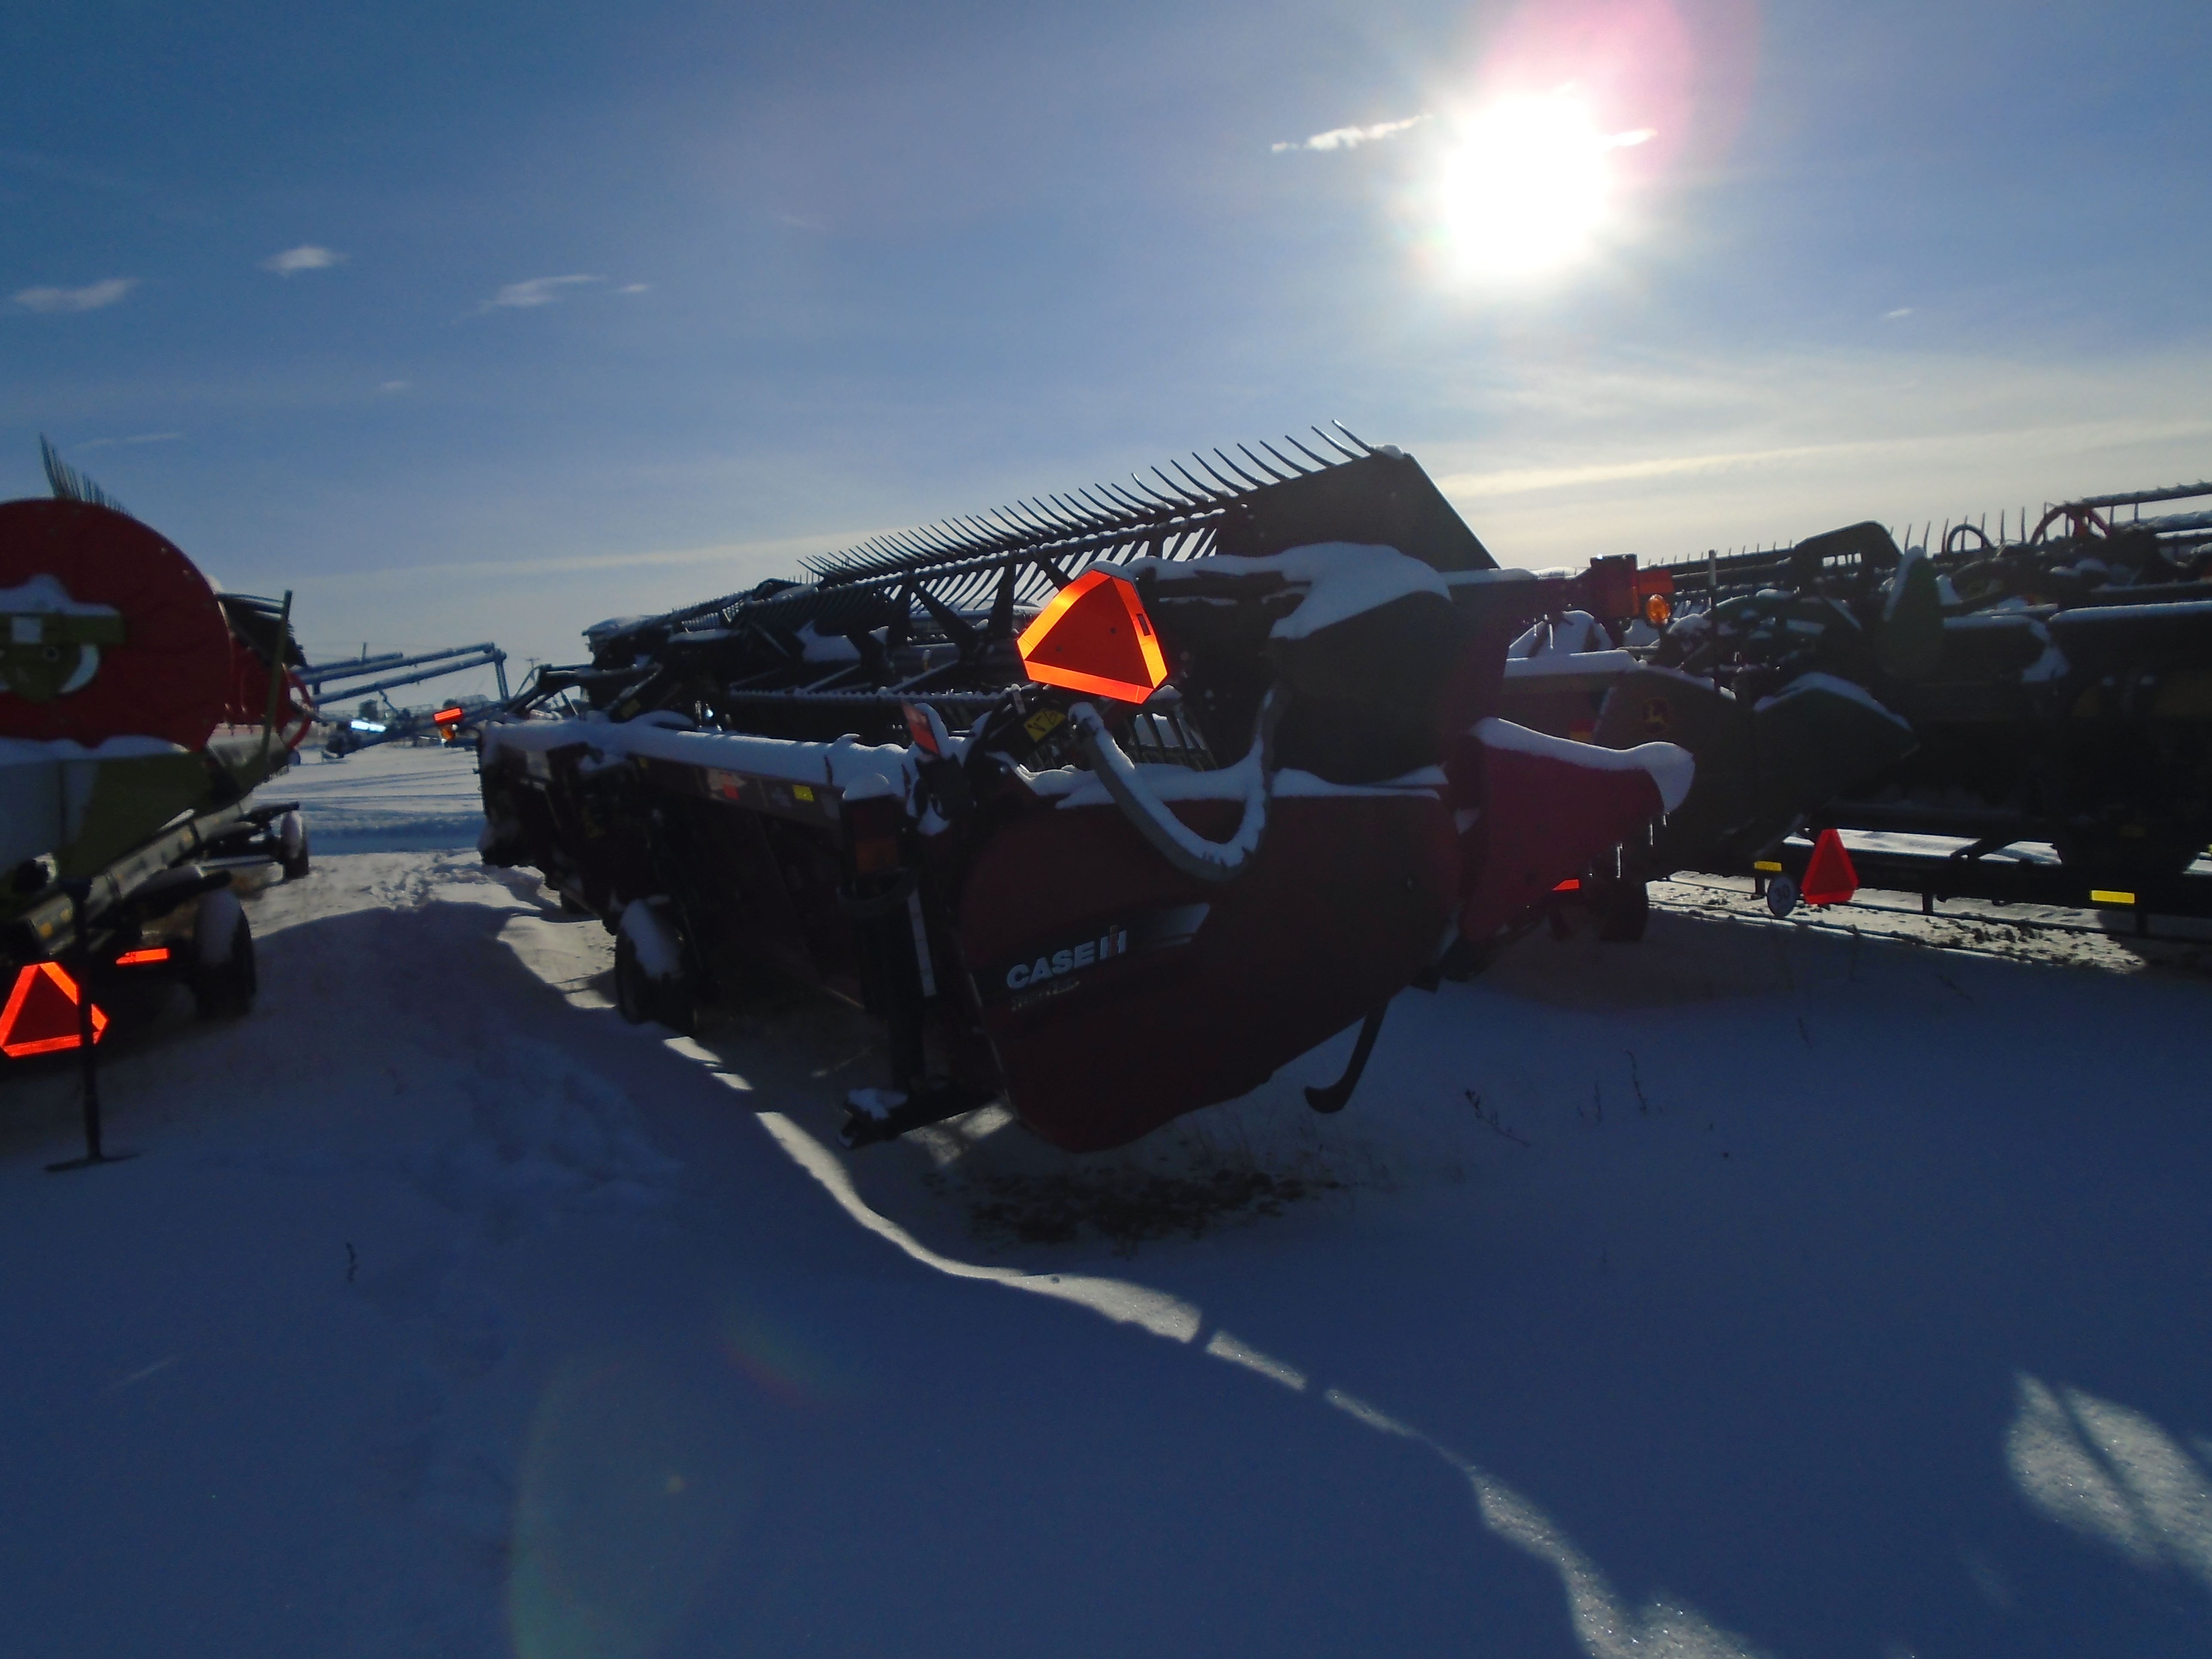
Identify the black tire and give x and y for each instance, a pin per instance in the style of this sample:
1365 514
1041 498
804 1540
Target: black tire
639 997
292 838
224 980
633 990
1781 895
1625 913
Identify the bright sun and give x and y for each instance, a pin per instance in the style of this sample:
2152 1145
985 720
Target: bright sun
1528 187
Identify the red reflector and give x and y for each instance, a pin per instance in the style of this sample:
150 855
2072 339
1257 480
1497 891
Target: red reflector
40 1017
140 958
1571 885
1095 637
447 717
918 726
1829 876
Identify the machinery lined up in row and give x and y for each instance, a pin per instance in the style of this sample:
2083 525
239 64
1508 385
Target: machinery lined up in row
367 678
2051 691
1110 804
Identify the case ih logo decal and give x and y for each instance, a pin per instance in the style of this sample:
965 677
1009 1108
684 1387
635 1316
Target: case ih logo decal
1053 970
1114 942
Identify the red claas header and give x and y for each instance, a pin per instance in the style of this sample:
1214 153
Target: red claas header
1095 637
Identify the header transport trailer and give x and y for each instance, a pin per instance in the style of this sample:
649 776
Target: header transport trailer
139 710
1109 804
2049 687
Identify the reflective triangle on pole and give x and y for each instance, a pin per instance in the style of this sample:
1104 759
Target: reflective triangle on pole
40 1017
1829 878
1095 637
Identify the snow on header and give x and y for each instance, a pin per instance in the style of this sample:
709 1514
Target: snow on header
848 765
1670 768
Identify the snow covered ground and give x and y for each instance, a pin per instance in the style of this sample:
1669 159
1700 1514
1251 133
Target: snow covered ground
1757 1288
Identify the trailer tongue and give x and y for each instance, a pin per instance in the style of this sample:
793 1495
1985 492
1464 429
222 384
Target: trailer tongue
1110 807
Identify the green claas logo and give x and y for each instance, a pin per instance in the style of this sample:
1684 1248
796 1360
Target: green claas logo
50 643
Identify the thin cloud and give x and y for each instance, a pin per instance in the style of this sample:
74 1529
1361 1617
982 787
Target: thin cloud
634 288
395 386
294 260
1352 137
1892 316
770 557
537 291
91 297
135 437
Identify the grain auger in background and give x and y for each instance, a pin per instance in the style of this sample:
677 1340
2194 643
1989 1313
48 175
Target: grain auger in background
139 710
2049 686
1109 803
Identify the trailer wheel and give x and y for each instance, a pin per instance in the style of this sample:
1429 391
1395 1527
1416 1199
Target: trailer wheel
633 990
1781 895
223 978
639 997
292 837
1625 913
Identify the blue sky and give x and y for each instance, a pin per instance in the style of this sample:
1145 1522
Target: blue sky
847 267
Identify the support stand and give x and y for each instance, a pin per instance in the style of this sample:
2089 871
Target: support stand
87 1049
1333 1096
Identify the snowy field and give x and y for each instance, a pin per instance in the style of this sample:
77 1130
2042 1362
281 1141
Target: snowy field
1760 1289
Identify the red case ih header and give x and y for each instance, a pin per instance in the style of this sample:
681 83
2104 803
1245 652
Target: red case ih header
1109 804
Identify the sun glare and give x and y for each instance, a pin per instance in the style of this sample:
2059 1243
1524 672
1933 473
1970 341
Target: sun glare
1529 186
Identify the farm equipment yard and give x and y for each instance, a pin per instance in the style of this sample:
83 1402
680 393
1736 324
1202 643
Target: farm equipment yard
1764 1286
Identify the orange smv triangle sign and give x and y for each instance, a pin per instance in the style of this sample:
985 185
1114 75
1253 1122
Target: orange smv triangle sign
1095 637
1829 876
41 1016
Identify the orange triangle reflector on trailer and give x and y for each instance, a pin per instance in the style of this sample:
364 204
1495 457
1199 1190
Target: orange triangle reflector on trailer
1829 878
40 1017
1095 637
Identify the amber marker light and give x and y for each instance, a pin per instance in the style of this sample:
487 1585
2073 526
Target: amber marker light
1094 636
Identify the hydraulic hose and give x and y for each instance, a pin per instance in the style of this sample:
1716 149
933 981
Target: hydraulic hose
1189 852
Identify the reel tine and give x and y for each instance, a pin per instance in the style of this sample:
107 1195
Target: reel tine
1262 465
1116 508
1297 471
1250 482
1073 515
1318 460
1148 502
1365 445
1194 493
1205 491
1067 510
1203 462
1178 498
1022 532
1037 524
